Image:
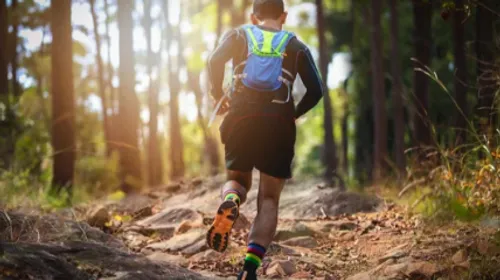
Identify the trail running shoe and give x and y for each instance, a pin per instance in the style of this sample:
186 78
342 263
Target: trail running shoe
218 234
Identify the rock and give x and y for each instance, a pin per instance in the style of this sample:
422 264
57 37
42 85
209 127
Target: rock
98 217
338 225
206 255
84 260
296 230
134 240
422 268
397 254
197 247
395 269
172 188
459 257
242 223
305 241
179 242
142 213
278 249
172 217
162 257
280 268
301 275
361 276
187 226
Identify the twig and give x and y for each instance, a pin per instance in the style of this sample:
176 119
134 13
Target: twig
10 225
411 185
417 202
323 212
79 225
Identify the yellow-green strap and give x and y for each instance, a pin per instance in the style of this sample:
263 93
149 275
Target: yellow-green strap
252 37
283 40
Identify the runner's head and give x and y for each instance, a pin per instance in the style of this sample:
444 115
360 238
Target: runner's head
269 10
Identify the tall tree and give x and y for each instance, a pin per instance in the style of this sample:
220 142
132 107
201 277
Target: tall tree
16 90
176 145
378 89
422 17
460 70
4 61
100 77
63 99
486 108
238 13
329 156
110 70
397 91
130 161
154 158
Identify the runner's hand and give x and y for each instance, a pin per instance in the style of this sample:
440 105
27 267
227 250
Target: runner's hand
224 107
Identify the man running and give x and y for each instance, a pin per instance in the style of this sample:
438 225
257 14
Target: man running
259 129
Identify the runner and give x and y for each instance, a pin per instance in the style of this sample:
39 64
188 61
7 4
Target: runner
259 128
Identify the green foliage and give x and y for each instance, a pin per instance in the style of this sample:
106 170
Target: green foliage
97 175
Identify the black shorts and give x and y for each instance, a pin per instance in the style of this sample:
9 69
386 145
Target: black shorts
262 141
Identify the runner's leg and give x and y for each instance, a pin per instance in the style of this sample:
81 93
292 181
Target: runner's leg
264 225
234 192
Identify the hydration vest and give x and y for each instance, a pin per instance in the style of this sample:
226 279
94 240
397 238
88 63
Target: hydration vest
263 69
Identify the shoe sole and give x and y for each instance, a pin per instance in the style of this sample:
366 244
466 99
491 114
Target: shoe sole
218 234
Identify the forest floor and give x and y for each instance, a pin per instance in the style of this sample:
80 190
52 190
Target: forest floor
322 234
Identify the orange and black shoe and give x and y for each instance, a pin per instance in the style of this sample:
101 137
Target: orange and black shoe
218 234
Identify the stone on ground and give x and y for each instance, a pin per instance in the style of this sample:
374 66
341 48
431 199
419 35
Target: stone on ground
281 268
291 231
180 242
304 241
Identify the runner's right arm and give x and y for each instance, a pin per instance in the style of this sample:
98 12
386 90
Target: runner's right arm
225 51
312 81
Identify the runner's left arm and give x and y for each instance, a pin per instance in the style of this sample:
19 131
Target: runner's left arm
217 60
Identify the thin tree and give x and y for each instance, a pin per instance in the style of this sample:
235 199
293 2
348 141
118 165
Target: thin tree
397 91
486 108
130 161
329 156
154 172
110 70
4 61
63 99
16 89
100 77
422 17
460 71
378 89
176 145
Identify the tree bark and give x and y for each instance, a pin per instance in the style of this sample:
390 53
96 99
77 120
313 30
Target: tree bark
111 73
378 88
460 71
130 161
100 78
176 145
16 89
486 81
154 172
63 100
329 156
397 92
422 17
4 61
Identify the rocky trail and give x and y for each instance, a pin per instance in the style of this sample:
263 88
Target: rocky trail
322 234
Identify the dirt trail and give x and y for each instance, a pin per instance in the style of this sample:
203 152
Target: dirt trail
322 234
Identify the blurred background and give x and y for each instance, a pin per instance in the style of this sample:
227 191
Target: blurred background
100 96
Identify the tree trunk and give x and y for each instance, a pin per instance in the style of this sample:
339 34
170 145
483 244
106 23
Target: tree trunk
100 78
422 17
154 156
329 156
4 61
111 73
379 110
218 30
130 161
486 108
176 145
460 71
16 89
63 100
238 13
397 92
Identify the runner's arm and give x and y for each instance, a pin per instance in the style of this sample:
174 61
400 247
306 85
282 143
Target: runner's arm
217 61
312 81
